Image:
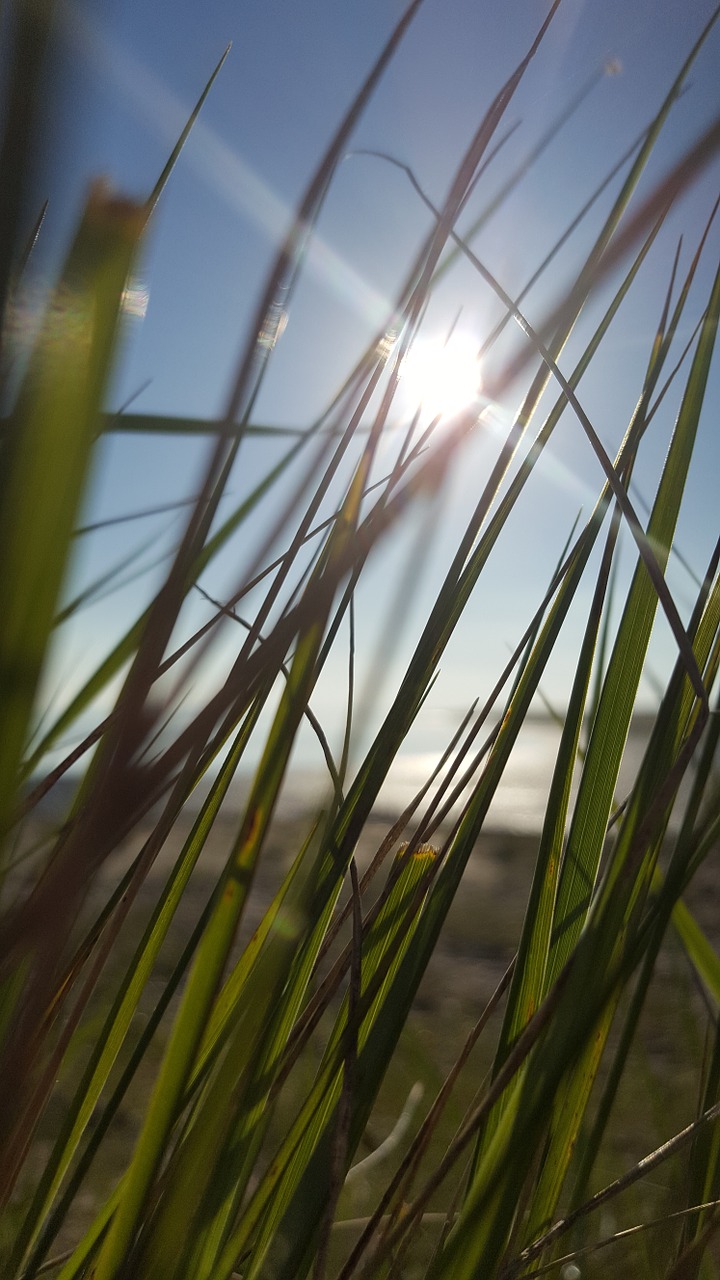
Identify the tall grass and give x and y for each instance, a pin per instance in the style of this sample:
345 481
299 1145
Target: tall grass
241 1157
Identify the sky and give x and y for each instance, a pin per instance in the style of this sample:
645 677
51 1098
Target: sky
128 76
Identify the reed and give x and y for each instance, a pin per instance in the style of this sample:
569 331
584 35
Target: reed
258 1055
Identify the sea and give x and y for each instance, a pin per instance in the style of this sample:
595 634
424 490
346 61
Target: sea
518 805
520 800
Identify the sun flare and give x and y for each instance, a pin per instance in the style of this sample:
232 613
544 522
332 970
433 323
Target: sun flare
442 377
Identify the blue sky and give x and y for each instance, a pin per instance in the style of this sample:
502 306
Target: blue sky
131 73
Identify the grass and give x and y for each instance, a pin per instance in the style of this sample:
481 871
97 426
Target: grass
199 1051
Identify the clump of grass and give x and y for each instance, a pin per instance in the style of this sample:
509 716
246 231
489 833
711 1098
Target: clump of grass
214 1185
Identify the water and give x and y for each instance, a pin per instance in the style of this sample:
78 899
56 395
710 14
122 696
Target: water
520 801
518 805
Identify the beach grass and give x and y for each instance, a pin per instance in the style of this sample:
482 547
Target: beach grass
213 1022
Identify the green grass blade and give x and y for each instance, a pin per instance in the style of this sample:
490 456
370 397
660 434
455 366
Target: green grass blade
111 1038
50 440
577 1004
549 135
613 718
289 1203
244 1142
175 153
673 726
464 573
661 917
162 424
204 978
196 1181
528 981
215 946
700 951
448 881
703 1182
47 454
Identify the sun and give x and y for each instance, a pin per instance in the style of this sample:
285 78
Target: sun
441 377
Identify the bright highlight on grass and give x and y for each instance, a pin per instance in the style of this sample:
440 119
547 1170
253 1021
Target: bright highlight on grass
442 377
